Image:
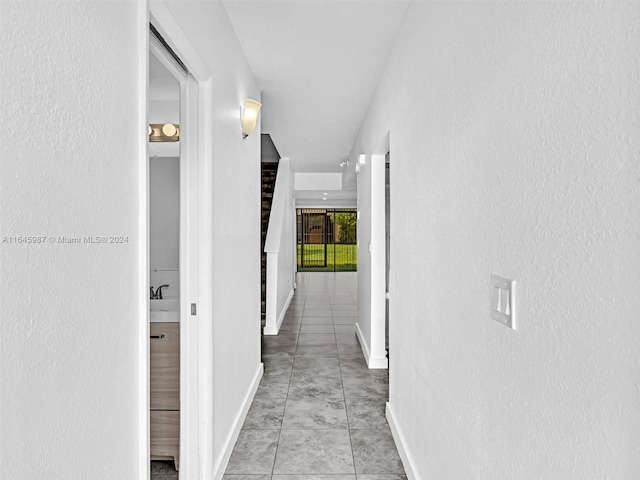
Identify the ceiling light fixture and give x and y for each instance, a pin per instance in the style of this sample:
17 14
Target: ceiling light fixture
164 132
250 116
344 163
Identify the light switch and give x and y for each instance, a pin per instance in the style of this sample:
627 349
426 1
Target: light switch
502 301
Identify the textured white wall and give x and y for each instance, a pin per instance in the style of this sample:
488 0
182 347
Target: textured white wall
69 166
515 143
236 204
286 259
280 240
70 326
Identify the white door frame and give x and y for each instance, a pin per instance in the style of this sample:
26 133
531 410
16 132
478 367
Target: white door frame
378 254
196 226
378 354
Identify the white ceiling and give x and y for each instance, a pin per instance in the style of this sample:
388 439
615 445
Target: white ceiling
317 63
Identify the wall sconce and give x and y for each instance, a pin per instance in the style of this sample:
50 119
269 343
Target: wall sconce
164 132
250 116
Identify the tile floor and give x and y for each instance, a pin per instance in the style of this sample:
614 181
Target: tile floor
319 413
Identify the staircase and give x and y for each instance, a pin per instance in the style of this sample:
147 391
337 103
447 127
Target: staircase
269 170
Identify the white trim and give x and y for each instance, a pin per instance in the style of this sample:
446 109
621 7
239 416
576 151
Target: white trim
328 205
363 343
294 243
378 259
143 244
283 312
271 300
166 59
372 362
189 278
230 442
274 329
401 445
163 21
206 280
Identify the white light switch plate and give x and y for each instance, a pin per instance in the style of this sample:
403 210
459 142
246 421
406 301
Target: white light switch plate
503 301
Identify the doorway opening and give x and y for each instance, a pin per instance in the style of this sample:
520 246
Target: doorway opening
169 45
166 190
175 274
387 243
326 240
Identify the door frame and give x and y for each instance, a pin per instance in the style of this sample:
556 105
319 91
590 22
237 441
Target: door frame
196 226
381 284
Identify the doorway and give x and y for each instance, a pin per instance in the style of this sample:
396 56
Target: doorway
326 240
387 243
173 196
195 247
165 241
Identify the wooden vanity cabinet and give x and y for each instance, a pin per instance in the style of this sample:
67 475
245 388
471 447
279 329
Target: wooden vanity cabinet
165 390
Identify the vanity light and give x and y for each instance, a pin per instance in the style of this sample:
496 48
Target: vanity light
250 116
164 132
169 130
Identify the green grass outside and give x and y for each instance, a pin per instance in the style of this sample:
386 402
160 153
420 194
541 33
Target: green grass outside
345 257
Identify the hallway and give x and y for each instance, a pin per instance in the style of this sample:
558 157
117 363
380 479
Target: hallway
318 410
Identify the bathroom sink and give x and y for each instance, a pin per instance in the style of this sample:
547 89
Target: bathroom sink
165 305
165 310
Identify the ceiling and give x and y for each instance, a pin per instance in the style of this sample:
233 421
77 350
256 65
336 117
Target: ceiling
317 63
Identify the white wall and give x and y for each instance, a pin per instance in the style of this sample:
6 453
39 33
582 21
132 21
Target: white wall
69 166
318 181
370 326
514 138
280 247
71 313
164 212
236 230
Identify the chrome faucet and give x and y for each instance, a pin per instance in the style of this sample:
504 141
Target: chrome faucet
158 294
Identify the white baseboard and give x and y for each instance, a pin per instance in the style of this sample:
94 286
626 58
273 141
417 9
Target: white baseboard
285 308
237 425
271 330
372 362
363 343
401 444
